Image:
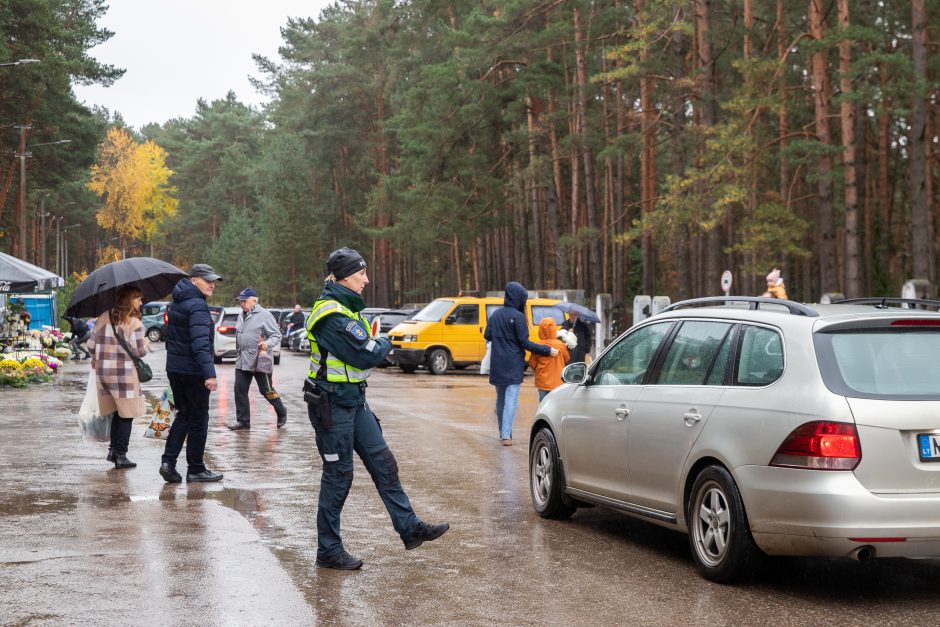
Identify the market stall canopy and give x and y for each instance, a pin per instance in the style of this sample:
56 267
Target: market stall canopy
20 277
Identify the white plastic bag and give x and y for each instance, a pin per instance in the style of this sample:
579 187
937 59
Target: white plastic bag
162 417
93 426
485 364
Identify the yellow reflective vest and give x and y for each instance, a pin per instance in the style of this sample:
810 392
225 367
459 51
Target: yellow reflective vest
336 370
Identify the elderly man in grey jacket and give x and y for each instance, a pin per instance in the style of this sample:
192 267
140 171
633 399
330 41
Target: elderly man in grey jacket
256 332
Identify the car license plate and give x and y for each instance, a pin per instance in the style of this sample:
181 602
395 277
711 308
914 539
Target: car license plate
928 446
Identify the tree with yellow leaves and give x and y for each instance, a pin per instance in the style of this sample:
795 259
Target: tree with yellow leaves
132 181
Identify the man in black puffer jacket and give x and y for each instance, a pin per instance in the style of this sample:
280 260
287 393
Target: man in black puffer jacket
190 336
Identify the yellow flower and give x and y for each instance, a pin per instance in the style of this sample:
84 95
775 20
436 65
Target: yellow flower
34 362
10 364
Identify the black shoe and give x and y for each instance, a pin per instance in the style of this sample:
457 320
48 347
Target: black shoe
110 456
238 426
169 473
206 476
121 461
281 421
342 561
423 533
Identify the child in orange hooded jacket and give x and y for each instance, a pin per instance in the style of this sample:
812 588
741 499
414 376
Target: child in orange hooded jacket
548 369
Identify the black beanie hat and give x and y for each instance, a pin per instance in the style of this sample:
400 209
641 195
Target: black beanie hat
343 262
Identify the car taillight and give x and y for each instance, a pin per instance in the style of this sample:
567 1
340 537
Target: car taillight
164 317
226 330
820 445
927 322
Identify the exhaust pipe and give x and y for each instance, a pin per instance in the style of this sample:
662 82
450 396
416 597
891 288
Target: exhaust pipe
863 554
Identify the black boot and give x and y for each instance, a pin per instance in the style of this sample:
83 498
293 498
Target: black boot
110 456
121 461
115 434
120 441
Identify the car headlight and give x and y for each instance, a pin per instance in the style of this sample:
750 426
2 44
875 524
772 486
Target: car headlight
409 338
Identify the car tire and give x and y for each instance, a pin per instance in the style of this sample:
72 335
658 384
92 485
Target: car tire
277 359
216 360
719 534
546 479
154 334
408 369
438 361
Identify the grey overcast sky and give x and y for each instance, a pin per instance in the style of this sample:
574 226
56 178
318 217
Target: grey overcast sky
177 51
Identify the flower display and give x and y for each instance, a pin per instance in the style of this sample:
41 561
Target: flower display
10 364
34 362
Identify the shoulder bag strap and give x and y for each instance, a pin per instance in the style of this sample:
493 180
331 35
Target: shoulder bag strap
123 342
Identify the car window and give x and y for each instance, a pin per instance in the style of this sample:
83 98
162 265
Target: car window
490 309
546 311
629 359
693 353
466 314
230 320
760 361
151 310
434 311
898 362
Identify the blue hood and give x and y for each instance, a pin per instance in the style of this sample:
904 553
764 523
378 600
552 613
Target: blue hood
516 296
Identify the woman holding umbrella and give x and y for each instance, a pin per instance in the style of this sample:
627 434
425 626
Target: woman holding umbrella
118 386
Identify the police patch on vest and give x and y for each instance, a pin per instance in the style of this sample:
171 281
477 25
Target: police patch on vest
357 331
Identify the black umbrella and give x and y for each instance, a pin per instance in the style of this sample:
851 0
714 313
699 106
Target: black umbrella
588 315
95 294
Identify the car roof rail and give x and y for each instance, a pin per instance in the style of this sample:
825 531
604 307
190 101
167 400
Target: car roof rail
754 302
882 302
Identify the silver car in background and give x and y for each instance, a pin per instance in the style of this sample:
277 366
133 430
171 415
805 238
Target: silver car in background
757 426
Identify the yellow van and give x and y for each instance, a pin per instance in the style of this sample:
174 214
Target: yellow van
449 332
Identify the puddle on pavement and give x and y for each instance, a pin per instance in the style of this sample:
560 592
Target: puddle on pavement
39 503
248 503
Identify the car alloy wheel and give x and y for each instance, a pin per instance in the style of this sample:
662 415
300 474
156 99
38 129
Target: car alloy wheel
545 477
154 334
719 534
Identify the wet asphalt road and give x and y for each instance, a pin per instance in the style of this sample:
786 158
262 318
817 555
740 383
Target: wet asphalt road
82 543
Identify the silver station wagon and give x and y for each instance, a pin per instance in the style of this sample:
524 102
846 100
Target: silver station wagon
757 426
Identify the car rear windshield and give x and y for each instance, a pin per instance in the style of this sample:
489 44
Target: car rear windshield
434 311
895 362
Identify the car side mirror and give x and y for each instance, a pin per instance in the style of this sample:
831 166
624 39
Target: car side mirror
451 319
575 373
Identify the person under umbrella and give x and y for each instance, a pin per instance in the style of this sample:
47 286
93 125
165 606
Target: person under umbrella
118 387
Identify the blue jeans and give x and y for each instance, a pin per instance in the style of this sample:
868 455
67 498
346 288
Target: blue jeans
507 399
356 429
542 394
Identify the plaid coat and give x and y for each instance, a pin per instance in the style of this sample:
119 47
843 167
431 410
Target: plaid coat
118 387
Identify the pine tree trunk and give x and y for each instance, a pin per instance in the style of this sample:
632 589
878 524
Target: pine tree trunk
828 281
592 265
920 232
853 282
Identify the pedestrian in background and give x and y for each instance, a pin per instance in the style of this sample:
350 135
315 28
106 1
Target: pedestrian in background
775 286
548 367
508 330
256 335
115 373
582 331
342 353
296 320
190 336
80 335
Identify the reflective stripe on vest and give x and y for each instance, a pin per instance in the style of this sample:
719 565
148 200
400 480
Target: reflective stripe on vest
336 370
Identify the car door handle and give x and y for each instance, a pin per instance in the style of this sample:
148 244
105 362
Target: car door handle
691 418
621 412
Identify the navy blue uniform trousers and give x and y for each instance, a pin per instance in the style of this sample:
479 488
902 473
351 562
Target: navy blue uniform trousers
356 429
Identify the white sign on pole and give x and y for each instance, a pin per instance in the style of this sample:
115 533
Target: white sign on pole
726 282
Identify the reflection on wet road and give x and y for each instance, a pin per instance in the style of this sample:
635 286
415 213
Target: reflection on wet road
83 543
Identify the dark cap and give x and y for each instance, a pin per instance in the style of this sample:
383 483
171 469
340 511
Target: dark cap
344 262
246 293
203 271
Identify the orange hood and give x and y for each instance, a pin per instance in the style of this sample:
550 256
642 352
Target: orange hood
548 330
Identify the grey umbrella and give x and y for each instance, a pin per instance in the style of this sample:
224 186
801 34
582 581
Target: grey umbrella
588 315
96 293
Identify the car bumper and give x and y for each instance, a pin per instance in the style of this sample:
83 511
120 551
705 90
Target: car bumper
406 356
829 513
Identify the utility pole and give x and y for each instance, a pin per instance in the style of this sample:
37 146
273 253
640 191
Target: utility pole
44 261
19 246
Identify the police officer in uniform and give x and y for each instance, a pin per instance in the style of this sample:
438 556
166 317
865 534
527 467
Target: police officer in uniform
342 352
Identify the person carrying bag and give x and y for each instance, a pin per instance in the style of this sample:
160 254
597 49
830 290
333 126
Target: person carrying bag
114 360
